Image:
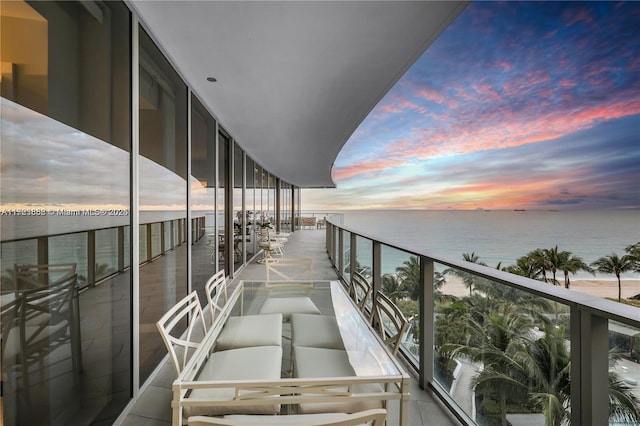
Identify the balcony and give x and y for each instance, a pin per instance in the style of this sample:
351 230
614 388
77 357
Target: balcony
464 391
153 406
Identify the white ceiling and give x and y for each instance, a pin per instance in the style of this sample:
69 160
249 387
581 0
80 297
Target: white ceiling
295 78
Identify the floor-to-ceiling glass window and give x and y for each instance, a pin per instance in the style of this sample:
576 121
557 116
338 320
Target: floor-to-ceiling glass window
285 207
223 161
65 191
203 193
239 216
249 197
163 193
271 199
296 206
257 179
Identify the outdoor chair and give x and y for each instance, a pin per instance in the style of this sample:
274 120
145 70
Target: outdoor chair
33 277
226 365
240 331
389 322
289 293
184 318
270 245
360 292
375 417
290 269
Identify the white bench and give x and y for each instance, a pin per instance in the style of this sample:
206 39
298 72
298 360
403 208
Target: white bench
212 383
376 417
313 363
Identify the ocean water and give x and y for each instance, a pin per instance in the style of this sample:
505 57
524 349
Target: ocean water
499 236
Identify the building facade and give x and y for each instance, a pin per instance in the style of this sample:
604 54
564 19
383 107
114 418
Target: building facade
120 190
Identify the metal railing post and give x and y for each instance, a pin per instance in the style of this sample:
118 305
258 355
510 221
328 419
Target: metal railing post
339 255
353 252
427 325
589 336
377 267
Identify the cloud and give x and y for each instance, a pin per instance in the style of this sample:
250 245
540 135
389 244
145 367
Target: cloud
552 73
47 163
593 168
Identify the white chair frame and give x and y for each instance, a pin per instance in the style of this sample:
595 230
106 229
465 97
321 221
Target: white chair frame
285 390
186 309
385 314
375 417
289 269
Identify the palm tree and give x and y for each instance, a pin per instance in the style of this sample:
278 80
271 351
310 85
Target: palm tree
439 280
555 260
545 365
538 258
624 406
613 264
634 251
574 264
468 279
392 287
526 266
494 342
409 274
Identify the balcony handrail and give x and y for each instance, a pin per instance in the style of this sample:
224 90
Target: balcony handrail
596 305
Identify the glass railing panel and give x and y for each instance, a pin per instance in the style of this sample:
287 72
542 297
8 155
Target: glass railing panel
71 248
336 242
400 282
364 266
364 256
502 354
624 373
142 244
169 242
156 239
346 255
14 253
126 244
106 252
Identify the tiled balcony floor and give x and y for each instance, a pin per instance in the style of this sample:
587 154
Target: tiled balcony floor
153 408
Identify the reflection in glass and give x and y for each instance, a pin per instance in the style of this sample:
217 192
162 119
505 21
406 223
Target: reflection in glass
71 248
65 131
163 193
106 261
250 207
143 250
222 235
204 246
156 239
239 216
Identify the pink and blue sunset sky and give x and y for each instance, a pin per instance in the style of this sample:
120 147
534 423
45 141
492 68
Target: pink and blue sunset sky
532 105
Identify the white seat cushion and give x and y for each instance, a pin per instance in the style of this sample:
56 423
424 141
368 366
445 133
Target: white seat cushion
315 331
288 305
252 364
320 362
250 330
287 420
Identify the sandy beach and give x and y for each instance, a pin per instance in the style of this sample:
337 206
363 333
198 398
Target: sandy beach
593 287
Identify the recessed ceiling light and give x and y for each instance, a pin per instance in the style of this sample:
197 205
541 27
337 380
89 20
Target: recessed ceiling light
212 79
